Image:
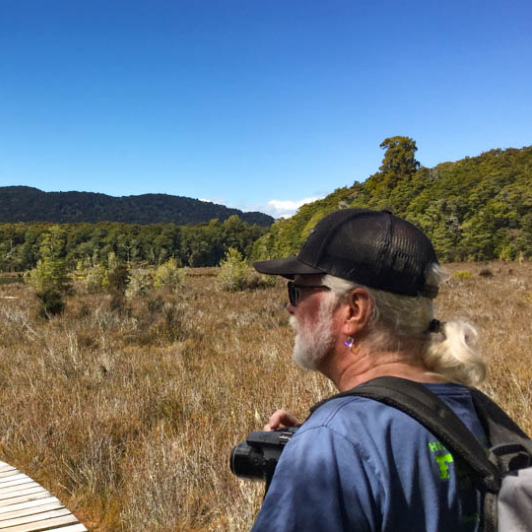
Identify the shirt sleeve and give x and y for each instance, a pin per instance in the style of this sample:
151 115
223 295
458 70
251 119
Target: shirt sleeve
322 482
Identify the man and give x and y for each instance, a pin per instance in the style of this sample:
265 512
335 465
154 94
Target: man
361 304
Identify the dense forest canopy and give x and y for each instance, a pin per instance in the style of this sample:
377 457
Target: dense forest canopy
87 245
28 204
478 208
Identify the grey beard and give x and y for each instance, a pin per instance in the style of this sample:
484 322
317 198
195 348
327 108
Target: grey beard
314 341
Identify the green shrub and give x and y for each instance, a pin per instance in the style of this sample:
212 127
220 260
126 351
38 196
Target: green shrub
118 279
234 272
169 275
140 283
50 274
463 274
96 278
51 284
266 281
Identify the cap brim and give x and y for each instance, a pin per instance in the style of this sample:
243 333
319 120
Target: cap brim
288 267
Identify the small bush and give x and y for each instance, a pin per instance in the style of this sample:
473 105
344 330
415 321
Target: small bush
117 281
51 284
140 284
485 272
266 281
234 271
169 275
52 303
118 278
95 279
235 274
463 274
50 274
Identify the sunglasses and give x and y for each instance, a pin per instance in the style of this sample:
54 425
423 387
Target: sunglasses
294 291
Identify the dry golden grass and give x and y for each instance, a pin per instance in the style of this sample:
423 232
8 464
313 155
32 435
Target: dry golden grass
129 417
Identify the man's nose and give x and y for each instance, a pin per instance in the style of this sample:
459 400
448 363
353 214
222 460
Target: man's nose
290 308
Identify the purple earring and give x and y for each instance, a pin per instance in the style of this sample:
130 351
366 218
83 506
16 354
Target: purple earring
349 342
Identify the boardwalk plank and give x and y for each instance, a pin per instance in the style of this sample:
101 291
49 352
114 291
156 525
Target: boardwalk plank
28 492
32 510
10 473
41 516
25 506
6 486
70 528
46 524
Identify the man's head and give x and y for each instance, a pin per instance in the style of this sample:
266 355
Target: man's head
348 252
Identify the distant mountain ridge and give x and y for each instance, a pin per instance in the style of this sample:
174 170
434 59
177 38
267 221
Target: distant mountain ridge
28 204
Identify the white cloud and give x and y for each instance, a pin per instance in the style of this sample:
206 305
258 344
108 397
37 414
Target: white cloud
285 208
275 207
218 201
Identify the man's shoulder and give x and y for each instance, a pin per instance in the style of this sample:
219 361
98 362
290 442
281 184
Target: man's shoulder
348 417
352 405
354 414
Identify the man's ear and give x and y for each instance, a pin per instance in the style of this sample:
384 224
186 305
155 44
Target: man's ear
359 307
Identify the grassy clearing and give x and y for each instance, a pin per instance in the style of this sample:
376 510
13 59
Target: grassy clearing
129 414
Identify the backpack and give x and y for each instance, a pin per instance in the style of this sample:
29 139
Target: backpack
502 473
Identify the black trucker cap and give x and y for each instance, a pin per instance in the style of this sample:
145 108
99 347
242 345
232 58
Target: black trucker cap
372 248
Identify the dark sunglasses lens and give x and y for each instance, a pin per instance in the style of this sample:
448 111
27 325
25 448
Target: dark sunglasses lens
293 294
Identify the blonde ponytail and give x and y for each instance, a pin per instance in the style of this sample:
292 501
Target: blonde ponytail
451 353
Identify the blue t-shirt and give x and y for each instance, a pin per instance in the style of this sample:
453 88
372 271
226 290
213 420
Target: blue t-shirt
359 465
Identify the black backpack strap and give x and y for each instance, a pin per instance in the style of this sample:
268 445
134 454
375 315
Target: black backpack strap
500 428
418 402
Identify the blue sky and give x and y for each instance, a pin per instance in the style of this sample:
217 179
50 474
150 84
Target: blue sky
248 102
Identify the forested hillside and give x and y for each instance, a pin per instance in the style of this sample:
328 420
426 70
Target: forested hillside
27 204
478 208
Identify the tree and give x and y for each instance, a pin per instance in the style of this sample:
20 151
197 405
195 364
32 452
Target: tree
399 164
50 277
400 156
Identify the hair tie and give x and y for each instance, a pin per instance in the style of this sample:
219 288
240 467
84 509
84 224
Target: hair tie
435 326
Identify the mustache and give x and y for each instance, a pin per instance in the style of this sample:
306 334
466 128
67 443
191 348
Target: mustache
294 324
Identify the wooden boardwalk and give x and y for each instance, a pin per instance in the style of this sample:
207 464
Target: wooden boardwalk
26 506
